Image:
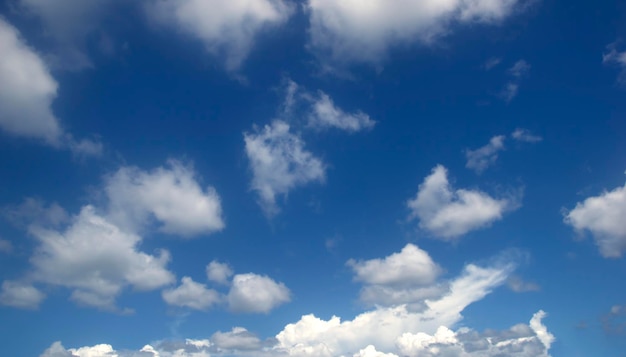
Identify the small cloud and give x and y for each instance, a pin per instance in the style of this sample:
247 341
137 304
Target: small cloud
219 272
192 295
516 284
20 295
525 135
491 63
252 293
614 322
618 59
518 71
480 159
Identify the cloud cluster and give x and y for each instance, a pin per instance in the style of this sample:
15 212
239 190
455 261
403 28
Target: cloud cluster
352 31
384 331
448 213
603 216
227 29
27 90
96 255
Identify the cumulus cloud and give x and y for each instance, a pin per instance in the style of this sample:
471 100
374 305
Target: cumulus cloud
279 163
96 259
385 331
518 71
218 272
406 277
252 293
524 135
192 295
27 91
228 29
350 31
170 194
618 59
480 159
603 216
20 295
449 213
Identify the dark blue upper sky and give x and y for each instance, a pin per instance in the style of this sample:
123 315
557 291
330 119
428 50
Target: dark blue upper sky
198 177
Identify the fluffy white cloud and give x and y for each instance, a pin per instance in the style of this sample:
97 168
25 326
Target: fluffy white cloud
357 31
407 277
324 114
192 295
603 216
218 272
170 194
26 90
97 260
518 71
370 351
228 29
279 163
254 293
237 339
617 58
26 93
20 295
525 135
480 159
448 213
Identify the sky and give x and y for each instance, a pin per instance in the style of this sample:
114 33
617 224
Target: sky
358 178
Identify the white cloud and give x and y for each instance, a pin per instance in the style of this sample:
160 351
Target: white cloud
518 71
192 295
480 159
254 293
6 246
617 58
279 163
407 277
324 114
370 351
170 194
218 272
448 213
27 91
491 63
20 295
228 29
525 135
603 216
96 259
354 31
237 339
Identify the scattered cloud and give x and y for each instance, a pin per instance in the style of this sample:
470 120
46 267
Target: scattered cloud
96 259
618 59
34 211
228 29
279 163
349 32
219 272
6 246
524 135
447 213
325 114
27 90
491 63
480 159
236 340
192 295
614 322
518 71
252 293
518 285
172 195
20 295
603 216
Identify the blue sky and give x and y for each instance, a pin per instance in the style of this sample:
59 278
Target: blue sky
374 178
